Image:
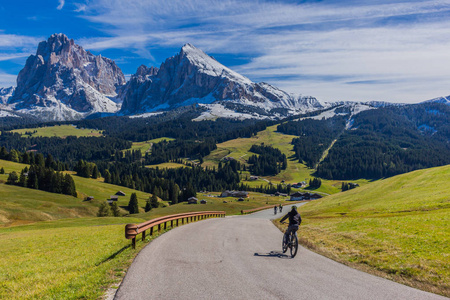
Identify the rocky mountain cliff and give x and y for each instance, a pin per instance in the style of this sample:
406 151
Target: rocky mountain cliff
194 77
63 81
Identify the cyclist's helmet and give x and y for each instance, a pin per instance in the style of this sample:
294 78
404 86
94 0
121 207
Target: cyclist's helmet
294 208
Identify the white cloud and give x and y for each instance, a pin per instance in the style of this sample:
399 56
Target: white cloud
7 80
384 51
16 41
60 4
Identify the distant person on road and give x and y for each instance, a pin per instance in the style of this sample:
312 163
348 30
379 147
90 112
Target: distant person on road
275 210
281 208
294 221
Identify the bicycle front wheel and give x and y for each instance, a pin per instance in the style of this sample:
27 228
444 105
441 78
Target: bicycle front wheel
294 244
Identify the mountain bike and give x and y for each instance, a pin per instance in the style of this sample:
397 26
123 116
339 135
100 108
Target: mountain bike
290 242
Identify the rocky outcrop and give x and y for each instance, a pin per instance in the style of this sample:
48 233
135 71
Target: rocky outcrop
63 81
137 88
195 77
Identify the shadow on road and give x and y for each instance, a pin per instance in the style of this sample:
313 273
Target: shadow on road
277 254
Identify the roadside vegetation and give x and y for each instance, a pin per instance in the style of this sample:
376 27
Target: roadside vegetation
396 228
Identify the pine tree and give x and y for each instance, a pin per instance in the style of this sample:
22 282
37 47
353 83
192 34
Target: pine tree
12 178
2 171
22 179
68 186
154 201
103 210
39 160
107 176
14 156
174 193
133 207
148 205
115 209
95 172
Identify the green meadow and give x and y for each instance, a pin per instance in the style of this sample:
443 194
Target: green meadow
397 228
146 146
61 131
49 260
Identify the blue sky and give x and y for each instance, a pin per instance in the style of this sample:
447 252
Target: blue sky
397 51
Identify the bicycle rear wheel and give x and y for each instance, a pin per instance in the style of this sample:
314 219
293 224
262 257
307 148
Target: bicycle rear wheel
293 244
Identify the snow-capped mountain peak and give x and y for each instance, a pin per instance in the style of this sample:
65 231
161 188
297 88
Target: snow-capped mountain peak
208 64
64 81
192 77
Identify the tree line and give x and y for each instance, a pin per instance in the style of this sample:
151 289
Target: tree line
45 179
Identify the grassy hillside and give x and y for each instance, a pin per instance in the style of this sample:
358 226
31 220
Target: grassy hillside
239 149
61 131
20 205
397 228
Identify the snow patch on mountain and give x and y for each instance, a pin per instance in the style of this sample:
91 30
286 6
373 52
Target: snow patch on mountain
208 65
5 113
5 94
444 100
215 111
146 115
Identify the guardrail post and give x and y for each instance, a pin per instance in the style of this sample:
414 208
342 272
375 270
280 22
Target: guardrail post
151 231
130 233
159 227
171 223
143 235
165 225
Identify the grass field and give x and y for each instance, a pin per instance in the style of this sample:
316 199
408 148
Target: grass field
49 260
168 165
396 228
146 146
61 131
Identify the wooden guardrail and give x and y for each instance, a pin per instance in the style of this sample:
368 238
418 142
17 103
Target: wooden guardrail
248 211
132 230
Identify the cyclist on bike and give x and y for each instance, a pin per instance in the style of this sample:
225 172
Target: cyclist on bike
281 208
275 210
294 221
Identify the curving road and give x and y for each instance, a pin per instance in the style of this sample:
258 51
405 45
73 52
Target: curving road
240 257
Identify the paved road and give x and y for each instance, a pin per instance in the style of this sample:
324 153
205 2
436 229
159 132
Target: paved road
240 258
